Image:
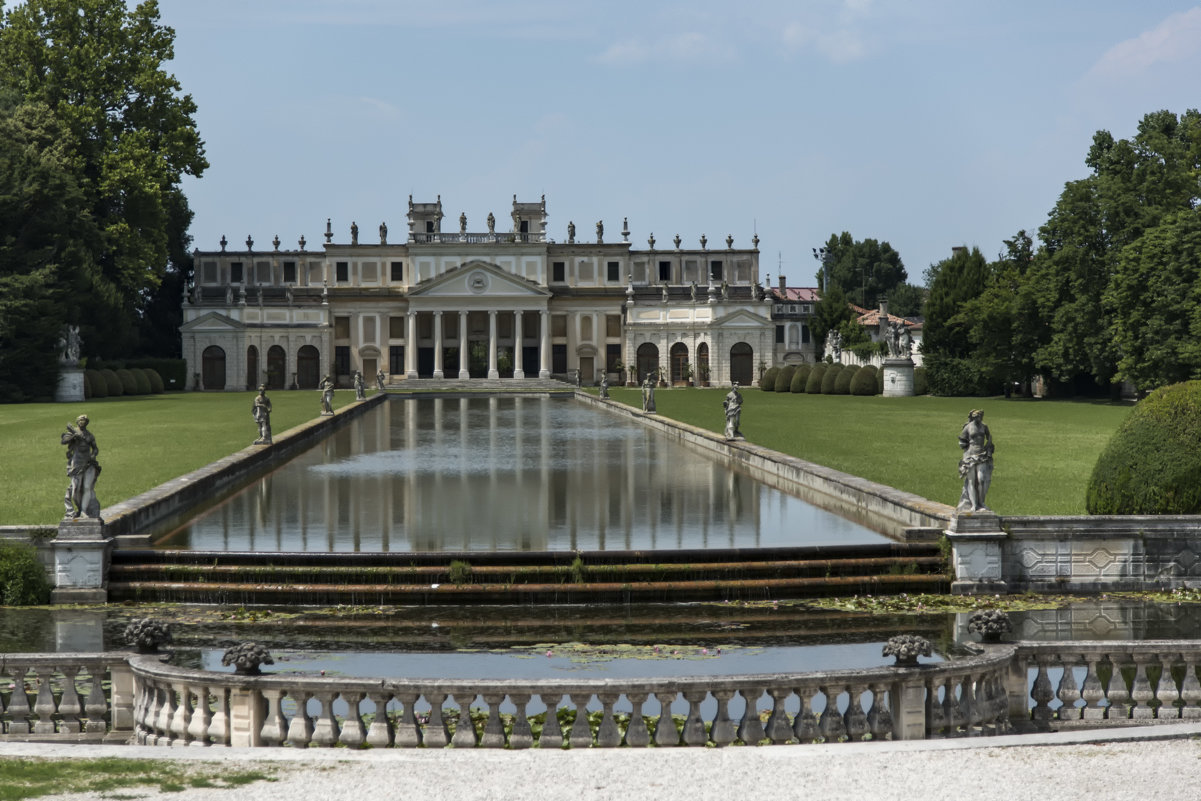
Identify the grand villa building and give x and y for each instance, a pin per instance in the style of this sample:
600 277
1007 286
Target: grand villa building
507 301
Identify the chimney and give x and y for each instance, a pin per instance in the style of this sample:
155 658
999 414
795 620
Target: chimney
782 286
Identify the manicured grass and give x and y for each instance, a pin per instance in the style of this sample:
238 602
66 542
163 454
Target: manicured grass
35 778
1045 449
143 440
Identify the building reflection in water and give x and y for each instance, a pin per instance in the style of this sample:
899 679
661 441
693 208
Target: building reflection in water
528 474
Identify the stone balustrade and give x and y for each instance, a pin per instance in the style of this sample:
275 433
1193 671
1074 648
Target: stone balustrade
73 697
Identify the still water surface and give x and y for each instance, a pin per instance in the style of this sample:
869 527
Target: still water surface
486 474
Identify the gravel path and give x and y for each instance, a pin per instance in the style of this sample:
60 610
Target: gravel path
1096 766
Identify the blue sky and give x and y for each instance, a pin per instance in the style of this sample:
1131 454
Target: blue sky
926 123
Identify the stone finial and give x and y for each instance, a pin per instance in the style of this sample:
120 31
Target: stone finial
301 242
755 241
275 242
907 648
704 242
246 658
625 229
249 243
677 241
990 624
147 635
650 240
729 243
329 231
224 242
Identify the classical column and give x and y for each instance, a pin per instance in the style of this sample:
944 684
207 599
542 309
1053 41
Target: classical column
437 344
544 351
492 371
411 343
518 365
464 355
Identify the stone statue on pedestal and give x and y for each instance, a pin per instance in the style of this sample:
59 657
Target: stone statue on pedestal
604 386
491 223
648 394
380 378
82 470
733 406
360 389
975 468
326 388
261 411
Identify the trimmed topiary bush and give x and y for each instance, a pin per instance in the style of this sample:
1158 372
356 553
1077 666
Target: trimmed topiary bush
768 382
784 378
96 383
141 382
920 385
799 378
864 381
814 385
23 580
112 383
842 385
156 381
830 379
879 382
1152 465
129 385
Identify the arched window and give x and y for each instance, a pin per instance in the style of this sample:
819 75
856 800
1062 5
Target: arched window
648 360
702 362
212 368
308 367
277 367
252 368
679 363
742 364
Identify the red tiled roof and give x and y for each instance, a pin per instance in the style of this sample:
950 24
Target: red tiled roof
797 294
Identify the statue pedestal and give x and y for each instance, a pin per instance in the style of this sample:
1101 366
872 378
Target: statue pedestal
977 543
70 385
898 378
81 552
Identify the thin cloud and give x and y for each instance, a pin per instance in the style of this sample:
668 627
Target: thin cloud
382 107
689 47
1176 39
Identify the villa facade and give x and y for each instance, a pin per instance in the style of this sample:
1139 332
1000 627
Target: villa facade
468 304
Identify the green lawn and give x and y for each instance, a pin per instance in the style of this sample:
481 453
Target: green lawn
143 440
1045 449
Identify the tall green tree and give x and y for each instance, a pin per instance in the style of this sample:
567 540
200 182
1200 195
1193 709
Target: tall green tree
98 66
1002 320
863 269
947 348
831 313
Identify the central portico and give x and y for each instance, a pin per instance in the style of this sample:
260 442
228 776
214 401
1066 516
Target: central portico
474 305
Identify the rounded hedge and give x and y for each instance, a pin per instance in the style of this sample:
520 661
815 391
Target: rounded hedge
96 383
129 384
920 385
842 385
784 378
864 381
830 379
799 378
112 383
156 381
1152 465
767 382
813 385
87 385
141 381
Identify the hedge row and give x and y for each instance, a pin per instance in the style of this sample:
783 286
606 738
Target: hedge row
108 383
833 379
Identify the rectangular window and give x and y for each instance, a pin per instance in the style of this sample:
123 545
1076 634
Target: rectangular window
504 325
396 327
804 334
612 357
613 326
369 330
343 272
235 272
425 327
450 326
530 324
664 271
396 359
341 328
398 272
779 335
715 269
558 325
341 360
558 272
210 272
289 272
613 272
558 359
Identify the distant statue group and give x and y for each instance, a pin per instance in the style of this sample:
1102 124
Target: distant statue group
82 470
899 340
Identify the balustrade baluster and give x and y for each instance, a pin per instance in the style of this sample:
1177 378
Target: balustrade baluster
325 728
608 735
166 713
183 714
522 735
665 732
1042 694
552 732
830 725
379 733
694 724
637 735
952 707
1092 692
855 719
275 726
804 726
778 728
353 734
18 703
219 731
95 706
1118 695
935 722
198 729
750 729
408 730
437 733
723 731
43 707
879 717
69 706
494 730
581 729
1068 693
1165 690
1190 689
464 736
147 711
300 727
1140 689
969 711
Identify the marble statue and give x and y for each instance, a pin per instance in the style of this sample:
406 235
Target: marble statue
899 340
733 406
648 394
383 234
462 222
68 344
380 378
975 468
834 344
354 233
692 291
600 231
82 470
604 386
491 223
570 233
725 290
261 411
360 389
326 387
578 378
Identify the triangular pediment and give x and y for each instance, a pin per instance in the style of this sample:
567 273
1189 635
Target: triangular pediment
477 279
742 319
212 321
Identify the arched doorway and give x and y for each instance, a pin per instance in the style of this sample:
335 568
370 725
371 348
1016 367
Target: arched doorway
308 367
742 364
212 368
277 367
252 368
679 364
648 361
702 363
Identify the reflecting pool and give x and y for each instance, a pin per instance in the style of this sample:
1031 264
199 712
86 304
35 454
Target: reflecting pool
516 473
